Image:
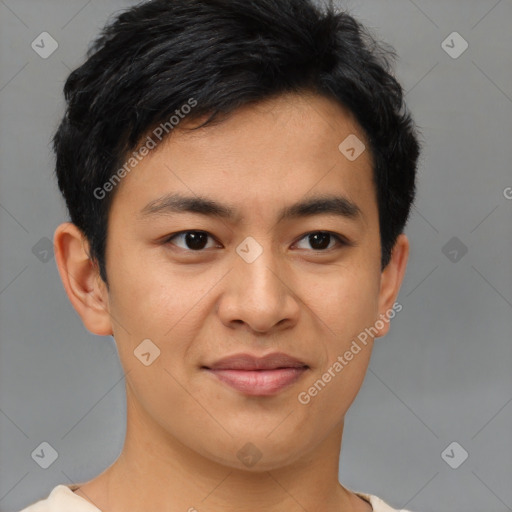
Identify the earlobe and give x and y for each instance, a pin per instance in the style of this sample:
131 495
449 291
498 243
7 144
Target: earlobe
391 281
85 290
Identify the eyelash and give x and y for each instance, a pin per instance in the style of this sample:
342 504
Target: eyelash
342 241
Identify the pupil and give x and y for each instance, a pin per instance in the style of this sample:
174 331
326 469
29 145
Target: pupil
324 240
193 240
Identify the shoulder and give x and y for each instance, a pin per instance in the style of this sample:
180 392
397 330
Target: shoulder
378 504
61 499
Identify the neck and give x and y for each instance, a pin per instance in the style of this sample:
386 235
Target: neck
157 472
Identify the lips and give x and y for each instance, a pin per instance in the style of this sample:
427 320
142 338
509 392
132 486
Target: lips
247 362
258 376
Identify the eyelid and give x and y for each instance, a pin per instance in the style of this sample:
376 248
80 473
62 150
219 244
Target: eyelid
342 240
167 239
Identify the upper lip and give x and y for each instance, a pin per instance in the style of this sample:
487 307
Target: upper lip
249 362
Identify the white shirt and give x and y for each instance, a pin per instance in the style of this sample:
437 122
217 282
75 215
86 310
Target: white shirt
63 499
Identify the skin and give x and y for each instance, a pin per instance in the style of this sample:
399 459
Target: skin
184 426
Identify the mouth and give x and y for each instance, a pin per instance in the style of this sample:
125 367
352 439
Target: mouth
258 376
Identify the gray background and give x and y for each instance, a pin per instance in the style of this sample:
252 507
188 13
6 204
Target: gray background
443 374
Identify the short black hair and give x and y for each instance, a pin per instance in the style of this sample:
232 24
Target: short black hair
219 55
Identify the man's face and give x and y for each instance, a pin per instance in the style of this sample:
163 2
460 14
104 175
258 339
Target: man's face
200 298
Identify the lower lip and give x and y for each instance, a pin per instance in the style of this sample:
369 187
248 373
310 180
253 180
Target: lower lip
259 382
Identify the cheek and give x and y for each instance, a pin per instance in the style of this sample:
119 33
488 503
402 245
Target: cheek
346 307
144 296
345 301
346 304
152 301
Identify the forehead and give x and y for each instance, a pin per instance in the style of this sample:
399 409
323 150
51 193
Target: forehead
261 155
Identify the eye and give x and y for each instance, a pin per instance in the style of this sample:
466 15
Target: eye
319 240
193 240
197 240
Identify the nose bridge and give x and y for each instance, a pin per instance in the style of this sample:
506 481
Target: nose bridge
257 294
256 267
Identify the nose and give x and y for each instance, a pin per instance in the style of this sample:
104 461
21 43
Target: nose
259 295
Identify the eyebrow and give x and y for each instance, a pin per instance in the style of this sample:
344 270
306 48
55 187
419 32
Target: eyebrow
324 204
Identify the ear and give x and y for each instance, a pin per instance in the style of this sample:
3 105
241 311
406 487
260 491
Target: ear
80 277
390 282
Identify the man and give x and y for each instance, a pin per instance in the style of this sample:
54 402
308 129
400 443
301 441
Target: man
238 176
